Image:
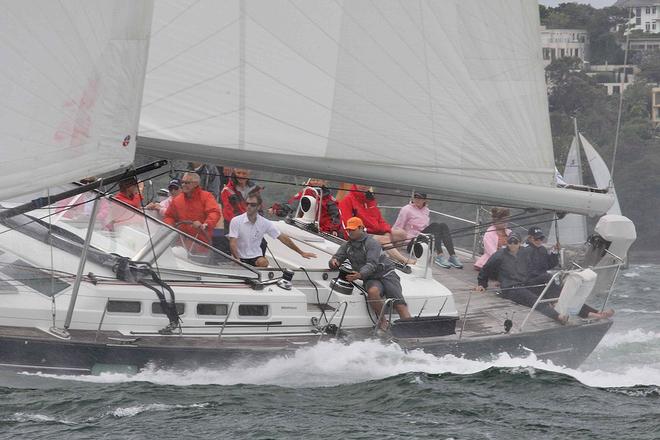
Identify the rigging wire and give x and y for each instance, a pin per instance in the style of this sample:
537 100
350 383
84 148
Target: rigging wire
620 111
52 260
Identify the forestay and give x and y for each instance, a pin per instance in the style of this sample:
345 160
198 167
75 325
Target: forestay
71 82
447 96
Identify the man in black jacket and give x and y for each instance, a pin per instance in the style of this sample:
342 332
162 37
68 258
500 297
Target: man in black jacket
510 266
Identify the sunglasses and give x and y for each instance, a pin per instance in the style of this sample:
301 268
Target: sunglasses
513 242
253 205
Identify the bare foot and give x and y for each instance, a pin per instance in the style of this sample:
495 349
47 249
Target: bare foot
562 319
601 315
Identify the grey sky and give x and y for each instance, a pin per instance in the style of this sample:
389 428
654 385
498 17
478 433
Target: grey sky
594 3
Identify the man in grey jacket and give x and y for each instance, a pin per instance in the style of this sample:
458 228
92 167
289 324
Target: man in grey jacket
373 267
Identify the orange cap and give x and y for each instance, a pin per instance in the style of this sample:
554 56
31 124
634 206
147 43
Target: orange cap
354 223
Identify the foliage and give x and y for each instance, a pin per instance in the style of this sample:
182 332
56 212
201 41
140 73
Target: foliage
649 63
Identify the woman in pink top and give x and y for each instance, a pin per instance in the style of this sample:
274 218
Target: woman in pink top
414 219
495 236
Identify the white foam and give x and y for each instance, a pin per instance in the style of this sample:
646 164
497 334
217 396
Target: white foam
38 418
334 363
630 337
637 311
631 274
131 411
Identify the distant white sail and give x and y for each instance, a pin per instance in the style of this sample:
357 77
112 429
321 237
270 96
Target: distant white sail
600 172
572 229
447 96
71 82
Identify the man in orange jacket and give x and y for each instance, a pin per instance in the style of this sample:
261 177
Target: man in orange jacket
196 207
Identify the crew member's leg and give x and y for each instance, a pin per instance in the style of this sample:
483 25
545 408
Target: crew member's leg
525 297
374 290
392 289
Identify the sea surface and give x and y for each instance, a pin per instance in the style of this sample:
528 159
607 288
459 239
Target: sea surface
368 390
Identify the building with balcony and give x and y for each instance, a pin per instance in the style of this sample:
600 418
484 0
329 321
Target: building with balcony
655 106
645 16
560 43
615 78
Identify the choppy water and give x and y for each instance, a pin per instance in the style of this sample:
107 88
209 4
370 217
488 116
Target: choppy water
368 390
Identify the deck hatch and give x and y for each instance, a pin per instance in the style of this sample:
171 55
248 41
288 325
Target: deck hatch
33 277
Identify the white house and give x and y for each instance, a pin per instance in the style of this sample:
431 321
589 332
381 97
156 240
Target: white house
559 43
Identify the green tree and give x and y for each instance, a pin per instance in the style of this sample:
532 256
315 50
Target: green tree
650 66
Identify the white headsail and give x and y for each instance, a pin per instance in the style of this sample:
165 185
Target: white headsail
71 86
572 229
447 96
600 172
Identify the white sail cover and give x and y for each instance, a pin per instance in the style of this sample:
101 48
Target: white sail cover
71 87
600 172
572 229
446 95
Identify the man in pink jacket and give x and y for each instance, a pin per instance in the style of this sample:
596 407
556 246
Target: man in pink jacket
415 219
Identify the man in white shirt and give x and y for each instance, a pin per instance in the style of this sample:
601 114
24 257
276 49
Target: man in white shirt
246 231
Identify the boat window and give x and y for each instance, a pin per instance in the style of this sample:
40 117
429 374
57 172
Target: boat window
33 277
252 310
124 306
212 309
157 310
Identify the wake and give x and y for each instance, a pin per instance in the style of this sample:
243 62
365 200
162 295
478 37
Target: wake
333 363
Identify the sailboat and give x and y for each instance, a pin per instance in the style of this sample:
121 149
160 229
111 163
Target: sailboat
443 97
572 228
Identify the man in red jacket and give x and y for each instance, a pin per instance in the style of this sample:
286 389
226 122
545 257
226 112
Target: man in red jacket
194 206
360 202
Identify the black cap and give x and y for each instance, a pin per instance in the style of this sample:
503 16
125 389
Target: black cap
174 183
513 237
536 232
419 195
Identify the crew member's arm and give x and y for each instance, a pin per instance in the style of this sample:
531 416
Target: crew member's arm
373 249
489 270
233 247
291 245
490 242
211 211
233 239
401 219
339 257
170 215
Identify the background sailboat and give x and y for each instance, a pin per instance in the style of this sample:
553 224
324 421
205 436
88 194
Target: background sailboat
572 229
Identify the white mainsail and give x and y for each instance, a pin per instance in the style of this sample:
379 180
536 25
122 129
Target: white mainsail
71 86
447 96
